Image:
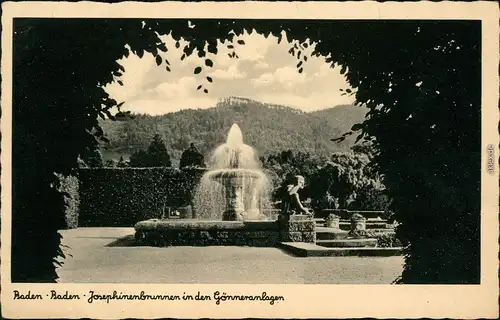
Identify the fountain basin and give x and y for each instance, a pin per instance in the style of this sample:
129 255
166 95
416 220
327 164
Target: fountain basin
166 233
222 174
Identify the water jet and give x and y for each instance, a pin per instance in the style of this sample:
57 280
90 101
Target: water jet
234 188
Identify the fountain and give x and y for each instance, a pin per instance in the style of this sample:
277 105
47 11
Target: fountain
228 203
235 188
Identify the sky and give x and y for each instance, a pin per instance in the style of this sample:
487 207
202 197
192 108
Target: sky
264 71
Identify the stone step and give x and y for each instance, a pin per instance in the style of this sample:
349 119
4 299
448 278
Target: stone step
347 227
323 233
347 243
302 249
321 220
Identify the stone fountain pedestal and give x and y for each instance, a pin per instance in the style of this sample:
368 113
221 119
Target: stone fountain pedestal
234 182
234 203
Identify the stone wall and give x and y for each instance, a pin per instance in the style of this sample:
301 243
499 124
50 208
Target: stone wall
165 233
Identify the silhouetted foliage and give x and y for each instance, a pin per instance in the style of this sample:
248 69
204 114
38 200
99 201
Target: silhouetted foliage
191 157
155 156
92 157
157 153
420 80
139 159
121 163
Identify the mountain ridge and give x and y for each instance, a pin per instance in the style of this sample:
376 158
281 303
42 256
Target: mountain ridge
269 128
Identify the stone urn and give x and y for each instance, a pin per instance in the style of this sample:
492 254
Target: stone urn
358 222
333 221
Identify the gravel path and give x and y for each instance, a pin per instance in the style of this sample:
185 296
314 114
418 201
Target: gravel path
105 255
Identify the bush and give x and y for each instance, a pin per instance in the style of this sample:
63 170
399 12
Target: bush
384 239
388 240
69 187
124 196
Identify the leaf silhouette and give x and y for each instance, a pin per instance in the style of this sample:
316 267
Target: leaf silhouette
177 44
158 60
230 46
344 69
163 47
209 79
197 70
199 87
168 68
209 63
357 127
241 42
300 70
205 90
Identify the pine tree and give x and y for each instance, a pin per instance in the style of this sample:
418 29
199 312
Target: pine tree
192 158
157 153
139 159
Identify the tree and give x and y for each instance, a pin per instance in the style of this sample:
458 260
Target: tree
192 158
139 159
426 128
342 178
110 163
92 157
157 153
121 163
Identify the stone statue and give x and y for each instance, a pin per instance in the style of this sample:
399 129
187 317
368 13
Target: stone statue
192 158
291 203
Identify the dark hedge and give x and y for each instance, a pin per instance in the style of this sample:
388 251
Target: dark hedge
68 186
120 197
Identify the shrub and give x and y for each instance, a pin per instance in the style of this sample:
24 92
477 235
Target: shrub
68 186
124 196
388 240
384 239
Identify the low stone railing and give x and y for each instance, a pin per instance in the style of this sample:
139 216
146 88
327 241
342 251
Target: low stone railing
295 228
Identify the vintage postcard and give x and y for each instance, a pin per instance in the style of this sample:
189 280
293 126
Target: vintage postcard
249 160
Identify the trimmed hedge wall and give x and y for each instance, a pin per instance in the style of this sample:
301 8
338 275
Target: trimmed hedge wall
68 186
120 197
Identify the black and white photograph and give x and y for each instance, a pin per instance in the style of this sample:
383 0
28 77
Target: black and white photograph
260 145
